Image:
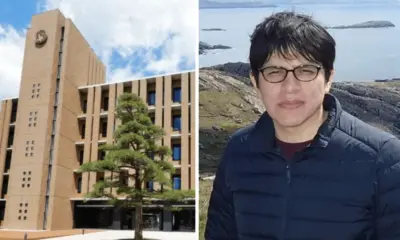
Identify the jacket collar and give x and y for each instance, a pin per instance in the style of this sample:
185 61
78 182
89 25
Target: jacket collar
262 136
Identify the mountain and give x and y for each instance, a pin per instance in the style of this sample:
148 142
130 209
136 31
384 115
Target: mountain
228 102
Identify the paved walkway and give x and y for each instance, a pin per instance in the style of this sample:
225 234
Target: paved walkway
128 234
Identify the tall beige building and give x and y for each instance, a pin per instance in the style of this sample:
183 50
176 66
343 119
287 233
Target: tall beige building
63 113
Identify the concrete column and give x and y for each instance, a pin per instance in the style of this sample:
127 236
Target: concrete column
133 218
116 218
167 220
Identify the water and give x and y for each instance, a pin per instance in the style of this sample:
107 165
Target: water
362 54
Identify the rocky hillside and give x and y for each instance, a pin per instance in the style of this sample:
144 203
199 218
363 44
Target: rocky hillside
228 102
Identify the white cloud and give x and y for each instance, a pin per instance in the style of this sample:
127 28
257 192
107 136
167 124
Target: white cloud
131 28
125 26
11 55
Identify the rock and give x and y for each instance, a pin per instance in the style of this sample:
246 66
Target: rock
208 178
368 24
235 69
203 47
248 99
257 110
216 128
213 29
240 105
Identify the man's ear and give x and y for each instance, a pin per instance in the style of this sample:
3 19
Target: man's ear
253 79
254 83
330 81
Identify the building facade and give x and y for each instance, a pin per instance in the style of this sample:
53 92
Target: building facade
64 112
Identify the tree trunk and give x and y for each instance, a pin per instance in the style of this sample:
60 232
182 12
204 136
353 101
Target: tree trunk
139 221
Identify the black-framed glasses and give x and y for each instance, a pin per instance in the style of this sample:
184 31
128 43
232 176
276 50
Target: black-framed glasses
303 73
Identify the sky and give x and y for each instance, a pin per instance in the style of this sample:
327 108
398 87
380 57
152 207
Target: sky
137 38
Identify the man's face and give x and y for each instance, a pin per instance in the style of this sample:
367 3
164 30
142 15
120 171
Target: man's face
291 102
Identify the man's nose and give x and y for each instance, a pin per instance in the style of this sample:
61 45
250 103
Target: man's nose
291 83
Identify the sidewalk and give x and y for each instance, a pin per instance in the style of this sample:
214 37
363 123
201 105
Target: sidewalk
129 234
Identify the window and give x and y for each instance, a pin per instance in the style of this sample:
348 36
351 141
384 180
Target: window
84 105
10 137
57 85
26 181
104 129
151 155
123 178
176 94
35 90
176 152
5 186
14 111
83 128
54 127
8 161
52 142
151 98
80 157
176 122
190 123
29 148
102 154
79 185
149 186
60 58
32 119
176 182
105 104
58 71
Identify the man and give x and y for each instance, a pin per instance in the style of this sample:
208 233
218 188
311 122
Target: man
306 169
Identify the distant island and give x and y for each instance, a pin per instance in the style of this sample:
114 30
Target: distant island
213 29
388 80
203 47
368 24
206 4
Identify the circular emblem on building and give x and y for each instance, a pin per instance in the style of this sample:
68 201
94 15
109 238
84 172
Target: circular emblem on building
41 38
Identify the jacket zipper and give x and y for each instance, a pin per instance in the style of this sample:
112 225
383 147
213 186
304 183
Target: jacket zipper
288 183
287 196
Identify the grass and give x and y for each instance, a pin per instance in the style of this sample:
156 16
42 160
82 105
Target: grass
223 107
205 191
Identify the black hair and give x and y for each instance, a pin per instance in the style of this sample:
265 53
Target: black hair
286 33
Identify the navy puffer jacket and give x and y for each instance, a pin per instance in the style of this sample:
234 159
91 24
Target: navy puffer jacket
344 186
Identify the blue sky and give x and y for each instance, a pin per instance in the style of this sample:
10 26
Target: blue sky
17 12
131 42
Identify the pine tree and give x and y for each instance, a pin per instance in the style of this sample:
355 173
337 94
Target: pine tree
136 148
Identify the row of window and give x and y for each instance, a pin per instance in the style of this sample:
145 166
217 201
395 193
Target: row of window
176 96
151 99
176 154
176 183
176 126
